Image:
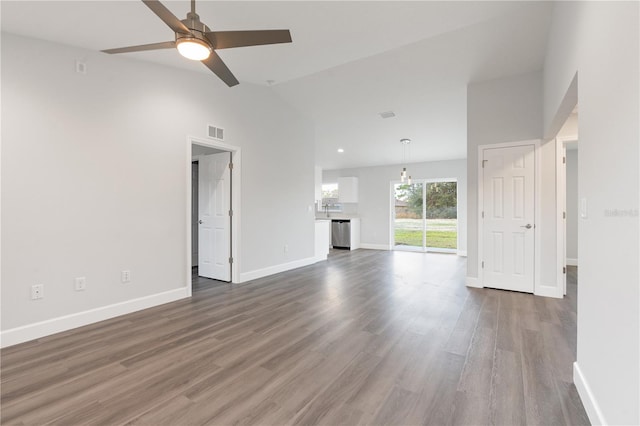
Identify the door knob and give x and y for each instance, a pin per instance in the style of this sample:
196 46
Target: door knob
528 226
201 222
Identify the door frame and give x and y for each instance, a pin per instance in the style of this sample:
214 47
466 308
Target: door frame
392 212
537 182
236 173
561 207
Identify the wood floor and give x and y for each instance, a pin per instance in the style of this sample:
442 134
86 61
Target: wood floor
368 337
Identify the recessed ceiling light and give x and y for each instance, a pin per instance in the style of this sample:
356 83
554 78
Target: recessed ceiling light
340 150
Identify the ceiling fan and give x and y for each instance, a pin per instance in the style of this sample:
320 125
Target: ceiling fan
195 41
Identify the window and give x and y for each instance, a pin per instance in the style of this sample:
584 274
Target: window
330 198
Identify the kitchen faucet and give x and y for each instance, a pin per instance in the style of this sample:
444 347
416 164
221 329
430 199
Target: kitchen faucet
326 208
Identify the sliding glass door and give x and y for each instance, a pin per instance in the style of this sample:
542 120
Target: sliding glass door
409 224
425 216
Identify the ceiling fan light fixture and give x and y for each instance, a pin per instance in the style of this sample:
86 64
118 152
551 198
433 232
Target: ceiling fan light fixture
193 48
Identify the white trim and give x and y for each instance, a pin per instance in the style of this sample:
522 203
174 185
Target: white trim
440 250
537 209
572 262
462 253
276 269
236 173
560 220
67 322
589 402
473 282
375 246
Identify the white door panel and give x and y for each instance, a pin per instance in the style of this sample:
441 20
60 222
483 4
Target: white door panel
508 223
214 185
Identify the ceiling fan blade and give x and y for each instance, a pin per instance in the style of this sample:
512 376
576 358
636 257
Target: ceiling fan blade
165 14
142 47
215 64
229 39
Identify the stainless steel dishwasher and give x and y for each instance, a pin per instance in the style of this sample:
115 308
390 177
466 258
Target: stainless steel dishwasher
341 233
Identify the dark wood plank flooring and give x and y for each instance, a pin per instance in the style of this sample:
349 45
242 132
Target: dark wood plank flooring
368 337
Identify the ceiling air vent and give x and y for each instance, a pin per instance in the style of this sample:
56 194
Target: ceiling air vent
387 114
215 132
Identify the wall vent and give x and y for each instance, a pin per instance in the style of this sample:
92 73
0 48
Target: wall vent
215 132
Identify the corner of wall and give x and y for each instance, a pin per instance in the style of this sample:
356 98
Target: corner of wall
589 402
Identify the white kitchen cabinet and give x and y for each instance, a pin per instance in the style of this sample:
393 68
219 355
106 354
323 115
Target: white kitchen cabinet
355 233
348 189
323 239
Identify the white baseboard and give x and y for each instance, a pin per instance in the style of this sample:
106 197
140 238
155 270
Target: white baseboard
473 282
56 325
275 269
572 262
588 400
375 246
320 258
549 291
462 253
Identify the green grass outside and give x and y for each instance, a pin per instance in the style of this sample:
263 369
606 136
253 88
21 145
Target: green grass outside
439 239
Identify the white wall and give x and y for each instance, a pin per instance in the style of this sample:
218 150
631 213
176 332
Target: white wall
570 127
572 205
317 175
599 42
94 171
374 202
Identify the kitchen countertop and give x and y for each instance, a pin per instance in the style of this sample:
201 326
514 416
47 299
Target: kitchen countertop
336 217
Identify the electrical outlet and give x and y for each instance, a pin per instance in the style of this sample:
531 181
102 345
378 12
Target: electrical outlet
81 67
37 291
125 276
286 248
81 283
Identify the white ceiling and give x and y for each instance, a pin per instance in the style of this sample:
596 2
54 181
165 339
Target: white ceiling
348 61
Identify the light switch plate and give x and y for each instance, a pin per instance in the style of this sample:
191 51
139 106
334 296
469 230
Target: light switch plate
81 283
583 208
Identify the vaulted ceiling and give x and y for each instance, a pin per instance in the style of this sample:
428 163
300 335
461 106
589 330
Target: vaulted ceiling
349 61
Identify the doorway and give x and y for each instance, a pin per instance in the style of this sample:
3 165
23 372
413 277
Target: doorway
214 210
567 208
425 215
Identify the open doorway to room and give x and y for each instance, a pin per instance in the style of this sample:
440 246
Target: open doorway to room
567 201
213 211
425 215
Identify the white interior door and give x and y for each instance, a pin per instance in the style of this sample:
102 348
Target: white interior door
214 198
508 223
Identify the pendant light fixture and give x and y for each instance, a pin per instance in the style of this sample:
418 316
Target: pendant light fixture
403 174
